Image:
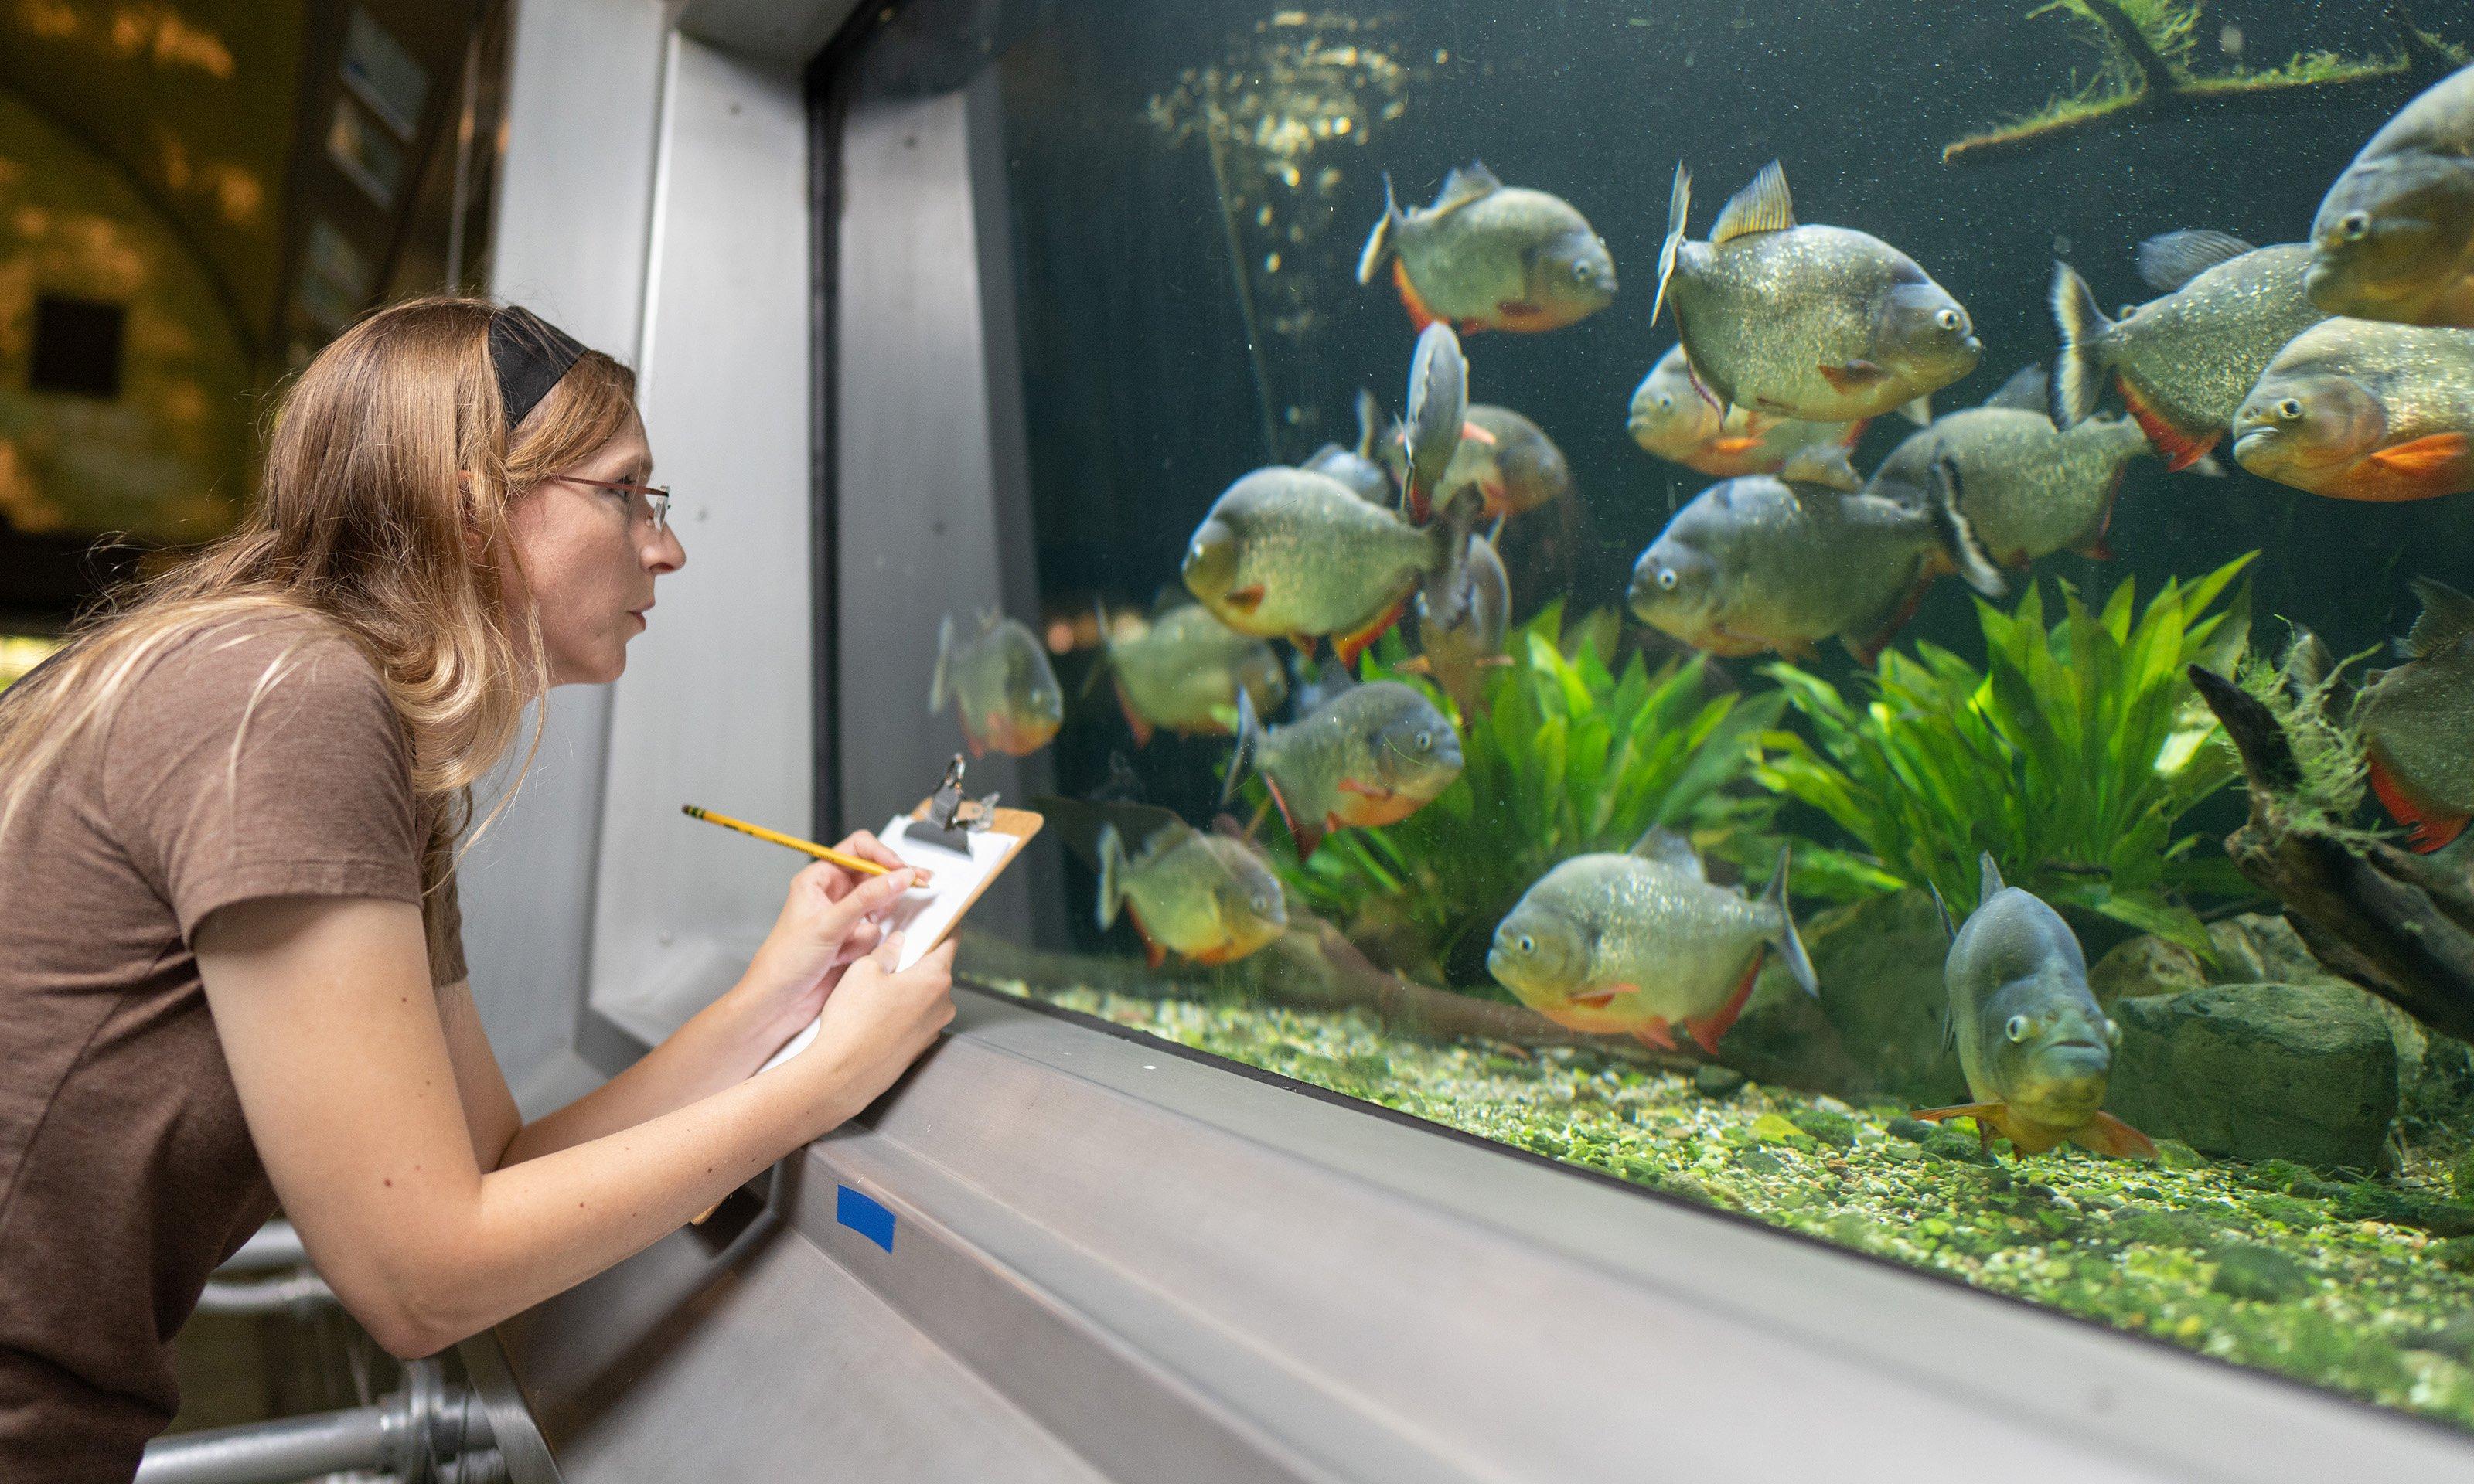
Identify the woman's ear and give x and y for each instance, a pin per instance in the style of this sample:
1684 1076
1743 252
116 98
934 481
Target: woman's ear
469 516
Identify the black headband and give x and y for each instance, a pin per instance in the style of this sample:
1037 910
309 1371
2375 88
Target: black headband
529 354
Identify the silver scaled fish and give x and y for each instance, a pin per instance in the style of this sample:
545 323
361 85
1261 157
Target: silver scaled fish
1374 754
2184 362
1003 688
1456 653
1819 322
1183 670
2417 722
2364 410
2034 1045
1491 257
1760 564
1641 943
2394 238
1679 419
1508 460
1204 896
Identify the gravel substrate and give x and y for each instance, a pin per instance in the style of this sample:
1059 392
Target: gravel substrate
2265 1264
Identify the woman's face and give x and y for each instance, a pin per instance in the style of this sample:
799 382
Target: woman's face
587 558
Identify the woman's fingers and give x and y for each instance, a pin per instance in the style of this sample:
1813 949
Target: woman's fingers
862 902
866 845
860 942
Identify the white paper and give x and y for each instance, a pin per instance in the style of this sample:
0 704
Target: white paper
923 913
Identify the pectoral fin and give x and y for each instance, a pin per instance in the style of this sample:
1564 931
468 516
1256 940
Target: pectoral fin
1853 376
1656 1033
2427 828
2114 1138
1419 316
1348 646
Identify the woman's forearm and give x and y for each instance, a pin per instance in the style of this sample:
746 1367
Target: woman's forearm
717 1049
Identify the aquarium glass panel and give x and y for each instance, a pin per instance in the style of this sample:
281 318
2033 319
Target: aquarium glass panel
1852 614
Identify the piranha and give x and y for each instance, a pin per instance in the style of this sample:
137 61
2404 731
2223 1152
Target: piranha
1508 460
1359 469
1822 323
2185 361
1491 257
1430 438
1204 896
2394 238
1673 417
1001 684
2364 410
1760 564
2031 1039
1374 754
1459 653
1639 943
2029 488
1182 672
2417 721
1287 551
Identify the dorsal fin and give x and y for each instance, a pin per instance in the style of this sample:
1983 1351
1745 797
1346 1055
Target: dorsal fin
1991 881
1762 206
2168 260
1666 848
2448 617
1468 182
2026 390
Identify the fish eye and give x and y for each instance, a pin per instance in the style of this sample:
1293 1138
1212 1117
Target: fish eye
1527 944
1947 318
2290 410
2354 226
2017 1028
1667 401
1425 740
1667 579
2113 1033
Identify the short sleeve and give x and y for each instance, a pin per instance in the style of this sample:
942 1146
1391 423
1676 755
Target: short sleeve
443 916
261 757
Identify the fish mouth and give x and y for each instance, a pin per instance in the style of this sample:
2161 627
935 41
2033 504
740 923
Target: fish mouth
2252 440
1245 600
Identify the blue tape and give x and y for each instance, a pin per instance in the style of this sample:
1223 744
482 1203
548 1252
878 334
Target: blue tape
863 1216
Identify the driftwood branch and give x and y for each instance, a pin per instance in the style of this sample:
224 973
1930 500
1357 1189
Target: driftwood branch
2400 925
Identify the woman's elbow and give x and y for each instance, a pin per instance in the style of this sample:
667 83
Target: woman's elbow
410 1315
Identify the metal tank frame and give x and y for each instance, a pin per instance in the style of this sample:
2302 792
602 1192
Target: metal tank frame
1059 1251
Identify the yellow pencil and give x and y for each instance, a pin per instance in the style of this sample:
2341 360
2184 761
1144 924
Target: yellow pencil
823 853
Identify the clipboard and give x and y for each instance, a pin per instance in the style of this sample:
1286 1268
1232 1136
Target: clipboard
927 915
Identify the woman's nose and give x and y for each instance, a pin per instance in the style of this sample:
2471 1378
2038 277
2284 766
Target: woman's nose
664 554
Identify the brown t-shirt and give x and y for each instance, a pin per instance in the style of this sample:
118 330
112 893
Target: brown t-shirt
125 1171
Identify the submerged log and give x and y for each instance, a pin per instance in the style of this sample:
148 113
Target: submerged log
2400 925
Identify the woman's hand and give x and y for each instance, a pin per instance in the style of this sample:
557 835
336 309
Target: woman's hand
827 921
877 1022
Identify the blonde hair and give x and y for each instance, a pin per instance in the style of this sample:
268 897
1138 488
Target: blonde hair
388 466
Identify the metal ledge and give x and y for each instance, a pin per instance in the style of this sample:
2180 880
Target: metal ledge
1174 1271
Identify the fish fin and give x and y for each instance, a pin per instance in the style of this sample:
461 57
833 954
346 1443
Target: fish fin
1348 646
1761 206
971 741
1370 422
2176 445
1472 432
1791 944
1853 374
1657 1034
1378 243
2096 548
936 678
1679 205
1465 184
1419 316
1957 536
2078 366
1991 1120
2431 462
2448 617
1855 433
2206 467
1670 848
2426 829
1733 445
2109 1135
1414 664
1153 955
2168 260
1307 835
1361 790
2029 389
1445 588
1988 877
1707 1029
1135 722
1112 874
1918 410
1822 464
1949 929
1249 745
1493 662
1601 997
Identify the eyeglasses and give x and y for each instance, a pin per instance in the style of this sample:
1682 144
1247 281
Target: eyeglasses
657 500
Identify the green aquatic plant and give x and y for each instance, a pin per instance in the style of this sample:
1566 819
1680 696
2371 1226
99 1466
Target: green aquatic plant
2314 706
2072 756
1569 754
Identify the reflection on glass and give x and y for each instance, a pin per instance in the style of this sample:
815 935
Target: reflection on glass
368 157
383 74
1781 694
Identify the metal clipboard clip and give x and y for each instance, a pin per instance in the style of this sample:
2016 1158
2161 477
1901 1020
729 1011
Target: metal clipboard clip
952 816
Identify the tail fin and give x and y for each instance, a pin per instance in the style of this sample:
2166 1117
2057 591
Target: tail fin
937 684
1112 875
1790 947
1446 591
1370 422
1974 566
2078 368
1378 243
1099 666
1249 742
1679 206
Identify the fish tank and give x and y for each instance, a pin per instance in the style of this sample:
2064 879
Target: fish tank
1850 617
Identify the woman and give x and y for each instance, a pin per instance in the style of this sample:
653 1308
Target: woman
230 953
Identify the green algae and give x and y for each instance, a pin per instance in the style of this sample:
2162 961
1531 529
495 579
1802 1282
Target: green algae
2361 1287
